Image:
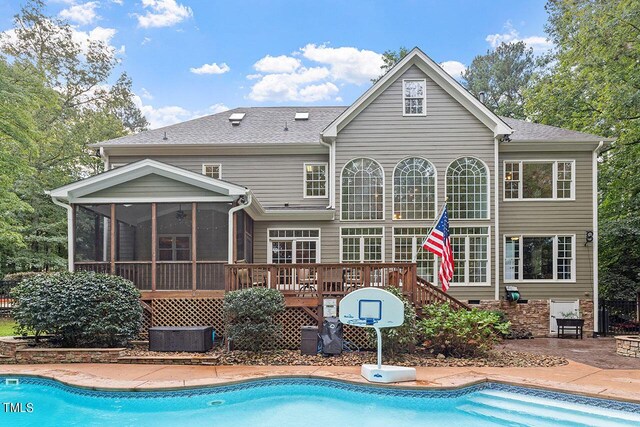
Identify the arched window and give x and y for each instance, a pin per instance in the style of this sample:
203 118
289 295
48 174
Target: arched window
362 188
414 189
467 189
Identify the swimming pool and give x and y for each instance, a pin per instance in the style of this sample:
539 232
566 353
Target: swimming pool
304 402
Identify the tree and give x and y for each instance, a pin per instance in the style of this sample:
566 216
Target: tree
593 85
503 75
58 101
390 58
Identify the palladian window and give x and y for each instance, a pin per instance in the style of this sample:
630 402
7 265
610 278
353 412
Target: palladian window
414 189
362 189
468 189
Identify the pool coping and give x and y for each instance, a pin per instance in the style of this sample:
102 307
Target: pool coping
468 378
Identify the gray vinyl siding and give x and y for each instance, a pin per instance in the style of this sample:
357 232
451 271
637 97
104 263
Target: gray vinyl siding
447 132
152 185
274 179
551 218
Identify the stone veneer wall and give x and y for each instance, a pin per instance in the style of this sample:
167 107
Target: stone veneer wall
534 315
628 346
16 351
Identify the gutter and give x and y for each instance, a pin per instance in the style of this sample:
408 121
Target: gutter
70 242
332 179
231 234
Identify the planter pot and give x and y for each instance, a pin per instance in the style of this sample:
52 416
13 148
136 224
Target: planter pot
571 323
575 327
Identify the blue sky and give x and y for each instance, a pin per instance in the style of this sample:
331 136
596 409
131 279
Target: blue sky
190 58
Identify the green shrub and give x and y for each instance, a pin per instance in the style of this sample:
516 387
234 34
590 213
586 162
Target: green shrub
403 338
78 309
502 319
249 317
461 333
20 276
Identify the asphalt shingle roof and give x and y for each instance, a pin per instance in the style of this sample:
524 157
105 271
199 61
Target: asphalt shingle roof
266 125
527 131
262 125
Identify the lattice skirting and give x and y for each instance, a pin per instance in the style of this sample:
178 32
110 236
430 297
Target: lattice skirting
208 312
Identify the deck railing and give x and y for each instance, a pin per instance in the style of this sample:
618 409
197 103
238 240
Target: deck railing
170 275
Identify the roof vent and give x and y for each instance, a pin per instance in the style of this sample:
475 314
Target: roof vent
302 116
236 118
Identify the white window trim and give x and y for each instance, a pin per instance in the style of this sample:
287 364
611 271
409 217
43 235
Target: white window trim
382 246
304 180
555 258
318 241
435 191
446 196
554 197
417 246
424 98
173 246
486 284
204 168
384 194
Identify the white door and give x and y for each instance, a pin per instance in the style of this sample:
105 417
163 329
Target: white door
559 309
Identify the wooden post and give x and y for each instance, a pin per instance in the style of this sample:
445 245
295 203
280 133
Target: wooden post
72 240
113 238
234 254
154 244
194 251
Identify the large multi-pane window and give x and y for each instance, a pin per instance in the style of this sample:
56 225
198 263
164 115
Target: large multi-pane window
468 189
531 180
471 255
539 258
289 246
414 189
362 244
414 97
315 180
362 189
407 247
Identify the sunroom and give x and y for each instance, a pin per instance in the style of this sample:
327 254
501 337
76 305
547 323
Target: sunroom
162 227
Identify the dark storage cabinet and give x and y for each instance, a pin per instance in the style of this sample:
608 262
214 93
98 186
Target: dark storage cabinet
188 338
309 340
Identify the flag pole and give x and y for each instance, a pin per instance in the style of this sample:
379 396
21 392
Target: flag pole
435 221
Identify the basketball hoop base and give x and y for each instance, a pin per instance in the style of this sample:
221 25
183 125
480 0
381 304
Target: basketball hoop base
387 373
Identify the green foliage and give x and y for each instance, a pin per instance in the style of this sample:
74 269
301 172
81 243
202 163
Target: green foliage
249 317
55 100
593 85
79 309
403 338
389 59
503 74
460 333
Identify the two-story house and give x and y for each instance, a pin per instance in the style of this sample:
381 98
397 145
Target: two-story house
317 201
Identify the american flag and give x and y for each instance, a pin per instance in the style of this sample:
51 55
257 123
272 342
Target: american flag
438 242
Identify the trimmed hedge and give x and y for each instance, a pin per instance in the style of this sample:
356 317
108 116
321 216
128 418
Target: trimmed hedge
249 317
78 309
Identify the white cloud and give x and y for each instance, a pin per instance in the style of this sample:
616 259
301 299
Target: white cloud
538 43
163 13
288 78
144 93
83 14
212 68
118 2
172 114
346 63
145 41
277 64
454 68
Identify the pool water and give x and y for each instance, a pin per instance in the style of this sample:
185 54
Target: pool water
304 402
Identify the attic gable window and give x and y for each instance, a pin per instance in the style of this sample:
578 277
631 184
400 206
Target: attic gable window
414 97
212 170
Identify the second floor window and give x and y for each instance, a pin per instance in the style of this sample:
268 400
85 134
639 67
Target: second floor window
362 190
534 180
414 189
468 189
212 170
414 97
315 180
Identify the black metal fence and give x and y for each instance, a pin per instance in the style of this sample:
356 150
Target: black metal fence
619 317
6 303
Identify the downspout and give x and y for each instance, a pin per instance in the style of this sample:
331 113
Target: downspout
596 314
496 201
231 234
332 155
70 243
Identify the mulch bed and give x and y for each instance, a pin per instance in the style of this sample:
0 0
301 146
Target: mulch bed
419 358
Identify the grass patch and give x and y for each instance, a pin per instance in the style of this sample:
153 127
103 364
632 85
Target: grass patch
6 327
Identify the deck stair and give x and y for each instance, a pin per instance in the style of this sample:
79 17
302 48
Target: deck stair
426 293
